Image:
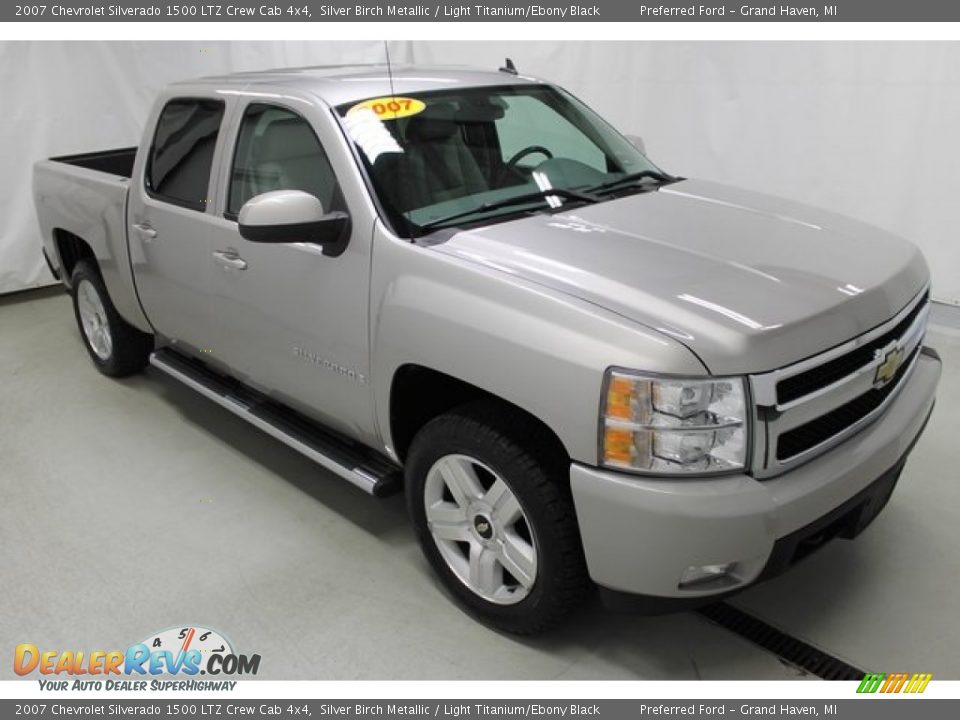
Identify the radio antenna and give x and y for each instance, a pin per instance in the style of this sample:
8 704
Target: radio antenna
386 49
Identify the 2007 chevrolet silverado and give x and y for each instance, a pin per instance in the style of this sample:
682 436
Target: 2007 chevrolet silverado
584 371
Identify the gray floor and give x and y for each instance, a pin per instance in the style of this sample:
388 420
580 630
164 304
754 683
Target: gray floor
131 506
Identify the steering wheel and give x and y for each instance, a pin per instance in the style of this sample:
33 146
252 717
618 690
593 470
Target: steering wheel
510 166
529 150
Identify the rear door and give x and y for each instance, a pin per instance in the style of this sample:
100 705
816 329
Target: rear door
169 219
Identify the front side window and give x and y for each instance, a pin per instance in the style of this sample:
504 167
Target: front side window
278 150
181 157
455 157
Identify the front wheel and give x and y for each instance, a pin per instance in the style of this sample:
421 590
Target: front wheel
492 510
116 347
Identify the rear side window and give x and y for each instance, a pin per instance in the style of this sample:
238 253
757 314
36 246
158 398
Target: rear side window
178 169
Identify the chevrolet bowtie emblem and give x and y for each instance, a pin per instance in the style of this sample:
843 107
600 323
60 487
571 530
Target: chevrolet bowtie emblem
887 370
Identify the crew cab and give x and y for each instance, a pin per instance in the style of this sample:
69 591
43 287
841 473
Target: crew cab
583 371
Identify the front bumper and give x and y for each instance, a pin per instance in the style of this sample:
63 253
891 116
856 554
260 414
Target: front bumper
641 534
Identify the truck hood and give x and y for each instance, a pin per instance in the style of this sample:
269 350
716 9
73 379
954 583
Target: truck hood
748 282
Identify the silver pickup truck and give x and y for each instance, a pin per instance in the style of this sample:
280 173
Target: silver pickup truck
584 371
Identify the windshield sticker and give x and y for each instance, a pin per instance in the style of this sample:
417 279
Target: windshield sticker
370 134
390 108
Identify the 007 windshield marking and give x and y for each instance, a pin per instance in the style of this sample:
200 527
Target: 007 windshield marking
443 158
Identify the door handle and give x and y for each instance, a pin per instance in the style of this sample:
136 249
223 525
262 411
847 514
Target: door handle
230 259
145 231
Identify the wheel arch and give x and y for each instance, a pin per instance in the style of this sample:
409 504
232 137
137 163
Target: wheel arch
418 394
71 249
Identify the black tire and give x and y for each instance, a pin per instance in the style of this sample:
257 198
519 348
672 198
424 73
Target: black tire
529 461
130 348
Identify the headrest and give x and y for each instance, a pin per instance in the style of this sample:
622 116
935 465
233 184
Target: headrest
285 139
434 123
481 110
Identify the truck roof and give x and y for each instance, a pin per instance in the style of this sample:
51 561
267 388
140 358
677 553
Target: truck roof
336 84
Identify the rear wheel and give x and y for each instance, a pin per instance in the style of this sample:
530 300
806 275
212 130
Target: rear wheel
492 510
116 347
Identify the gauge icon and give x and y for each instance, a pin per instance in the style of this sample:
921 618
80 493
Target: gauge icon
190 637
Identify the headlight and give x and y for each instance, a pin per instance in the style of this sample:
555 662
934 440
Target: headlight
671 425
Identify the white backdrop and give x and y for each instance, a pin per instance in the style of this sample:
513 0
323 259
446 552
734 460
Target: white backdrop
867 129
59 98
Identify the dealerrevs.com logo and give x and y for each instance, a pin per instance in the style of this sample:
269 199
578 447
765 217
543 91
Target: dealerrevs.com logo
180 651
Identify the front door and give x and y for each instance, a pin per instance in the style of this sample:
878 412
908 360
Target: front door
288 319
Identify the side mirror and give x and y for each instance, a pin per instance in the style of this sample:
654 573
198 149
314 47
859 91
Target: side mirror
637 142
290 216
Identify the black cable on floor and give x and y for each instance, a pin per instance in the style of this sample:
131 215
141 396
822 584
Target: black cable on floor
794 651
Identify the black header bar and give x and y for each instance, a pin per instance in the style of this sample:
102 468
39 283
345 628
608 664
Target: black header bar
472 11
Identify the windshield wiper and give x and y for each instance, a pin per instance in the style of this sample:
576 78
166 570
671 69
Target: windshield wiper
583 196
661 178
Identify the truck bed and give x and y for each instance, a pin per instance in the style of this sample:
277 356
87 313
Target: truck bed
115 162
83 198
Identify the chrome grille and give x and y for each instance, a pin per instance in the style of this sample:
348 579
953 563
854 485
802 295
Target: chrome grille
808 381
812 405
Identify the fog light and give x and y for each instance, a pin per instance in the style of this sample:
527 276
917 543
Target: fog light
702 574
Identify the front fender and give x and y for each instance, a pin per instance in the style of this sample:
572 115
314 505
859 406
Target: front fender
541 350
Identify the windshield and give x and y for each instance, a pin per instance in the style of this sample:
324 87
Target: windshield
444 158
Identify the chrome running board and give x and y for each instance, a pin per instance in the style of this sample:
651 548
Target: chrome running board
350 461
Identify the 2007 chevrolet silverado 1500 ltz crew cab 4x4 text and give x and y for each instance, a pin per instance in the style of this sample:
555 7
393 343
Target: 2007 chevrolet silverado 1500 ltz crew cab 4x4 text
582 370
